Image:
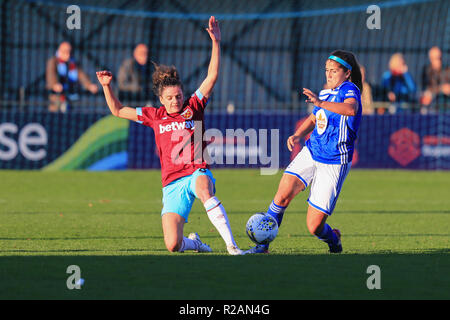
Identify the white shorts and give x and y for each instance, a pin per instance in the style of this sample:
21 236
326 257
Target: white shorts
325 179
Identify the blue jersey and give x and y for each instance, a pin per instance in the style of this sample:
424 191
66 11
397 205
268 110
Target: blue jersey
333 138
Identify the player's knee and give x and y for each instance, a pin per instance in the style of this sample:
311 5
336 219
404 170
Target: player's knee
205 195
173 245
283 199
204 188
314 228
284 195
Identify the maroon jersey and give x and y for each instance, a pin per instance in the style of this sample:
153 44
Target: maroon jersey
178 136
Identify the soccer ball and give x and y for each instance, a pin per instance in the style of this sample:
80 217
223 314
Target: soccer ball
262 228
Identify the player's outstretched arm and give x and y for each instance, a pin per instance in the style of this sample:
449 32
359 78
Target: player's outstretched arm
105 77
347 108
305 128
214 65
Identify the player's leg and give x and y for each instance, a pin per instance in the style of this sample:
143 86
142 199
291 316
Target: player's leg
173 225
315 220
289 187
204 190
295 179
325 190
177 206
317 226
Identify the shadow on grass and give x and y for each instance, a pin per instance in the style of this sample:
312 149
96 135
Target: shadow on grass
396 211
83 238
206 276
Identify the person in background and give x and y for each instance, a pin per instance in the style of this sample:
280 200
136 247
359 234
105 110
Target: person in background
63 78
366 94
435 80
397 82
135 78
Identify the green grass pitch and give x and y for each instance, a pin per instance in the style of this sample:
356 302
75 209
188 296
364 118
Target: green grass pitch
109 224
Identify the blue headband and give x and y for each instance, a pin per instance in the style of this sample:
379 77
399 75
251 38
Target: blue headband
345 64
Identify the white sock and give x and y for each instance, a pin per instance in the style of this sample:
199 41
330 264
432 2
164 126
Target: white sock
218 217
188 244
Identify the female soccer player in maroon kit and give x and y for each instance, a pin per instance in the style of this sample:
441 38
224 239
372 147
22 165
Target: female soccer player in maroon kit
178 127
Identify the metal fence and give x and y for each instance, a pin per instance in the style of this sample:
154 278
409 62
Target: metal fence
270 48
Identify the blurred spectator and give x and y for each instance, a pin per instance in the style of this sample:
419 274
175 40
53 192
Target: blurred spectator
135 78
435 80
397 82
366 95
63 77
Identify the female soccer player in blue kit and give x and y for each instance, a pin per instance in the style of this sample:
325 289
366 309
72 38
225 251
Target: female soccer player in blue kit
326 160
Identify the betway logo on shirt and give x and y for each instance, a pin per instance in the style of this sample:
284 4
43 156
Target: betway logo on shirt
177 126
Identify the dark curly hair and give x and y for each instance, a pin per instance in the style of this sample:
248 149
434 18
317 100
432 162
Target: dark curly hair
164 76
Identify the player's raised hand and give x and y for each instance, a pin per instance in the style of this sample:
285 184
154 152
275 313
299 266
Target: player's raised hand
104 77
312 97
213 29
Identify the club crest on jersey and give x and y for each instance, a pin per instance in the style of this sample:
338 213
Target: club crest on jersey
187 114
321 121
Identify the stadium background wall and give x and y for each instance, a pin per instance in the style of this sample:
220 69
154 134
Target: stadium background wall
82 141
270 50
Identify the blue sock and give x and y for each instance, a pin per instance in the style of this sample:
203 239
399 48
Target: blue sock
328 235
277 212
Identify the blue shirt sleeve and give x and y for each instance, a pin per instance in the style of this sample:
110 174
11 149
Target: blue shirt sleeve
349 90
409 81
385 80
